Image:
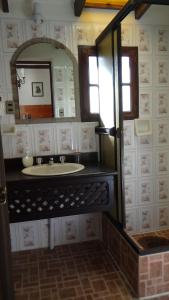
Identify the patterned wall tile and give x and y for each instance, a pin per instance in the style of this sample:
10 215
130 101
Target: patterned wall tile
131 220
145 103
145 71
162 161
15 238
23 141
29 236
43 232
70 229
128 134
161 101
7 72
12 34
161 74
130 164
146 219
162 189
145 163
162 217
55 232
161 132
34 30
2 74
144 39
126 35
130 193
90 227
97 29
65 139
44 138
162 40
146 191
7 140
60 31
87 137
144 141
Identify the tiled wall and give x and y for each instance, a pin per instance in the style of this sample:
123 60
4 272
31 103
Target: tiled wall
46 139
146 158
63 230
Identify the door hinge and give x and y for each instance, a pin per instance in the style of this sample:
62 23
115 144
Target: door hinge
2 195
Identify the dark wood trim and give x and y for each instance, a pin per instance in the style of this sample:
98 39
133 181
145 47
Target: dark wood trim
33 64
78 7
132 52
102 6
6 285
84 52
156 2
140 10
127 8
130 6
5 6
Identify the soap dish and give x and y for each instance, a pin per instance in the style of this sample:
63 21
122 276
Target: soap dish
143 127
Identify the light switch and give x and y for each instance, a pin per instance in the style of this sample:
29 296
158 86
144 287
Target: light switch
10 109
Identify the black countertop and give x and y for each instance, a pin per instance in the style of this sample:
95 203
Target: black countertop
13 168
14 175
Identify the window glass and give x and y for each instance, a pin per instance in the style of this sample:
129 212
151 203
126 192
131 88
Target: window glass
93 72
126 98
94 100
125 69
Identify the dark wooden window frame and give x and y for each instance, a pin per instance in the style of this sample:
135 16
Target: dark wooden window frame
132 53
83 54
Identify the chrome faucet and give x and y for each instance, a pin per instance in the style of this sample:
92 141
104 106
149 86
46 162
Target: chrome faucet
39 160
51 161
62 159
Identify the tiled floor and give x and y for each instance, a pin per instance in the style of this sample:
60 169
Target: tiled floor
75 272
72 272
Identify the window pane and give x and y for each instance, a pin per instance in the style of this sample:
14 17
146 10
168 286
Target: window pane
126 98
93 71
125 69
94 100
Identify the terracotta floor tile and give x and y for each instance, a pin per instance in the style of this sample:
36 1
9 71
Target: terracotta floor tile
82 271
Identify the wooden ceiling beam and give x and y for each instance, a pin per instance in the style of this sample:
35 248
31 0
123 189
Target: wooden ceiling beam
5 6
141 9
78 7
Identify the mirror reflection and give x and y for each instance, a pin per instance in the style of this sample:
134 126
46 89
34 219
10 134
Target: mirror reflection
45 82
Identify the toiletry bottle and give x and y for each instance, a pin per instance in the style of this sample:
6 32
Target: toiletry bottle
27 159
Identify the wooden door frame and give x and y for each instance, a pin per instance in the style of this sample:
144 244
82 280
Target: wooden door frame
6 286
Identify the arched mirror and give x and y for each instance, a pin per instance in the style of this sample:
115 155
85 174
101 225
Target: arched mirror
45 82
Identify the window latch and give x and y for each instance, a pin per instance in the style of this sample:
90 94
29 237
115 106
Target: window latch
116 132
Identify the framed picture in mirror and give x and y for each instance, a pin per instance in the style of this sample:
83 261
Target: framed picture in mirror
37 89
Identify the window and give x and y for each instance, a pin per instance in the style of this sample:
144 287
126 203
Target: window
89 89
130 82
88 80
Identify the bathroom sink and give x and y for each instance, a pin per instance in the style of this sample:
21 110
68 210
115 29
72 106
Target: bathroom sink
52 170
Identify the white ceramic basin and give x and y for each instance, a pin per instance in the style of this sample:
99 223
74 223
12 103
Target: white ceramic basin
52 170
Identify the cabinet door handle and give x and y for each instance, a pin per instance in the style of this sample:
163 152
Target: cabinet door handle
2 195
